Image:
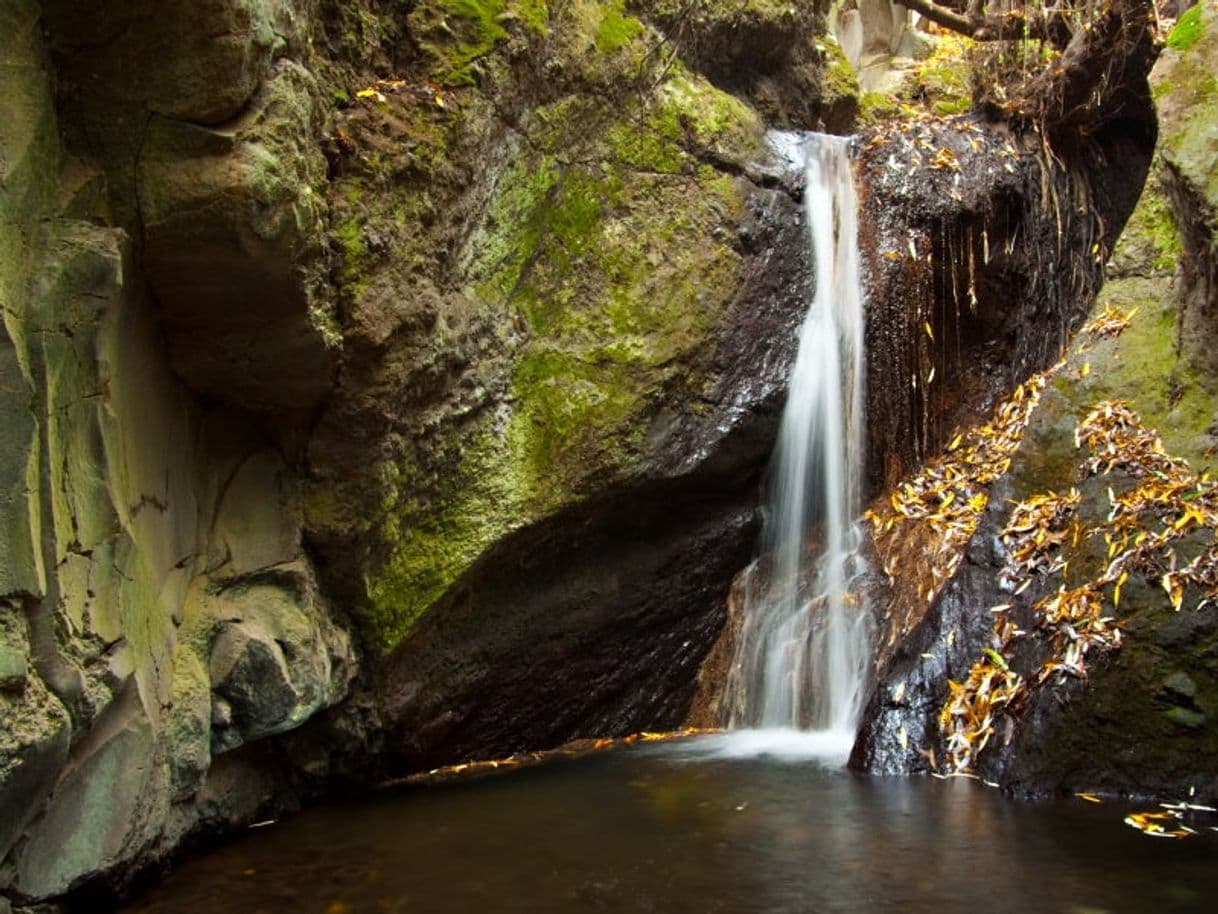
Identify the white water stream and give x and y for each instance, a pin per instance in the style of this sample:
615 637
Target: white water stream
804 654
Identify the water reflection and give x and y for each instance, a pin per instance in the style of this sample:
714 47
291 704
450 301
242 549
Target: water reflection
657 830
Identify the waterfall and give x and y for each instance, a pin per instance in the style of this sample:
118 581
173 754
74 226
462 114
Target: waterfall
804 654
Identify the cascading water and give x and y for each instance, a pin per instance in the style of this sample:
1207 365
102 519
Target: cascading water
804 653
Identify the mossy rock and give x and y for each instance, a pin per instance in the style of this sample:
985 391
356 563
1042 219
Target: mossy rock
1185 81
618 259
457 34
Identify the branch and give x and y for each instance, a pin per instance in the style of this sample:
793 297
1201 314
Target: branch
940 15
1009 26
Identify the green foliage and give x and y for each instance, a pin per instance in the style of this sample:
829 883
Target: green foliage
1187 30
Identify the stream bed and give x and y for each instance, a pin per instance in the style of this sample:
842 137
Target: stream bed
707 825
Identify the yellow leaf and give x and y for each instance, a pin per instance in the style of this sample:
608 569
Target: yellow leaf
929 332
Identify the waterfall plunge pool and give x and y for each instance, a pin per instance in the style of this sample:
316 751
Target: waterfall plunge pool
699 826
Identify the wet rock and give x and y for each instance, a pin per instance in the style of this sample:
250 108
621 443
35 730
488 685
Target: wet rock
33 749
189 724
600 591
198 62
778 55
249 670
122 493
943 256
258 520
1187 100
600 633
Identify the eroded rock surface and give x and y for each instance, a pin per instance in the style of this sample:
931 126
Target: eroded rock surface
138 521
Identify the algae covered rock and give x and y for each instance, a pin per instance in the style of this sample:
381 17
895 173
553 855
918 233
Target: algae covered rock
1186 93
464 324
595 263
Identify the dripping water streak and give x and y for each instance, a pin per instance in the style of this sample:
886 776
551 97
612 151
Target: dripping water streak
804 655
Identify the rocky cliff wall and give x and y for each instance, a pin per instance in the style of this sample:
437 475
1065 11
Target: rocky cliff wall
159 611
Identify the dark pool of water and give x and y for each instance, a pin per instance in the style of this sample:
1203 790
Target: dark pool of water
668 829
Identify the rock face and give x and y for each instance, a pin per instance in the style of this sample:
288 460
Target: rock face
382 384
1149 705
140 524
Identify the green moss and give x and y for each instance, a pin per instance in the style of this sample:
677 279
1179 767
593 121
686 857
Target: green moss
1187 30
714 119
350 235
458 33
608 237
533 13
877 108
437 540
1142 367
572 412
513 227
1151 232
616 29
653 145
839 79
1187 100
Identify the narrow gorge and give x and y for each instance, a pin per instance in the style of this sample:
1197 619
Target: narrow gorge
394 391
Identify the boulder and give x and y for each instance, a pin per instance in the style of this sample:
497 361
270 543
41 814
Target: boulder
276 662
